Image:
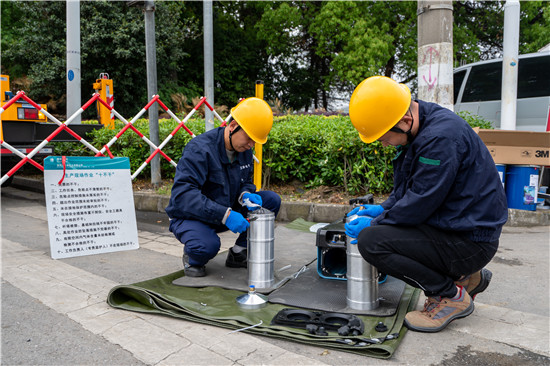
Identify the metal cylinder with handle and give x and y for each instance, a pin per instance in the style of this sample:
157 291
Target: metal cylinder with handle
362 278
261 255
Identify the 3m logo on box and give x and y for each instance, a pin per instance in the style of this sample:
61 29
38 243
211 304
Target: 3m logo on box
542 154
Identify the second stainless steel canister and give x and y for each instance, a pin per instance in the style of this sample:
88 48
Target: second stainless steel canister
362 278
261 253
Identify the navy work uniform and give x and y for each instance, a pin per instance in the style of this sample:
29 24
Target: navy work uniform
445 214
206 184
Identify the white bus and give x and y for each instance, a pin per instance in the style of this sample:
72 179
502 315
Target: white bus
477 89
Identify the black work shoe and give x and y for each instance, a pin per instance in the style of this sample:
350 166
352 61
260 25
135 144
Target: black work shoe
192 271
236 260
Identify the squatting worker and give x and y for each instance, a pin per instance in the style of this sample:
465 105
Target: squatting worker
213 188
441 223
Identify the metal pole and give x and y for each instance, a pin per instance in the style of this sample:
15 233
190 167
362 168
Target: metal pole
510 65
150 46
435 52
208 63
73 59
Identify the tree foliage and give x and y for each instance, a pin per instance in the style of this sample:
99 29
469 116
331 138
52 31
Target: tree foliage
319 47
112 39
478 29
304 51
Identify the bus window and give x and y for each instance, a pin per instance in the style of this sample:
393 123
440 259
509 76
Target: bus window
484 83
458 78
534 77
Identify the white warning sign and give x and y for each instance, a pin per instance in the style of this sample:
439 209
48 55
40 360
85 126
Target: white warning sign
90 205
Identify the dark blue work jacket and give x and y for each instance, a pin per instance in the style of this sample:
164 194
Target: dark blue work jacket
447 179
206 183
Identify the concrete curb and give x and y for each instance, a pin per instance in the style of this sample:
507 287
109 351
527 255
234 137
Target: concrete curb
291 210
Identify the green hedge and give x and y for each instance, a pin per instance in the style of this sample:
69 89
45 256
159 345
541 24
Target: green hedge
319 150
315 150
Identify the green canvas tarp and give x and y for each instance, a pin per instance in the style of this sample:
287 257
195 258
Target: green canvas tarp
214 302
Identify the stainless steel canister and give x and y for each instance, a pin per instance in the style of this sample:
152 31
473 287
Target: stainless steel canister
362 278
261 254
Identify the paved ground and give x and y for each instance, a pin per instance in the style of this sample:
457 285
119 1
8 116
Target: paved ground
54 311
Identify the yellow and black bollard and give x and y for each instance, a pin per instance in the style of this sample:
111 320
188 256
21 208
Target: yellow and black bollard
104 86
258 147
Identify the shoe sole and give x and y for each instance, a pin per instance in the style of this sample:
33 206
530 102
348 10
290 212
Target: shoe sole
230 265
465 313
486 276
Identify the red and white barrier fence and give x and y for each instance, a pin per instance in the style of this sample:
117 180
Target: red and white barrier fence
105 148
62 127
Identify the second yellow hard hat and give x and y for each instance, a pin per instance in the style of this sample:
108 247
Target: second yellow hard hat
376 105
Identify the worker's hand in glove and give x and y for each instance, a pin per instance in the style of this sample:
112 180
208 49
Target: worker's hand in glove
367 210
354 227
236 222
252 201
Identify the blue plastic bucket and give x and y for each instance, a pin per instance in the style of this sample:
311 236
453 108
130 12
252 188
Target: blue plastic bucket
502 173
522 186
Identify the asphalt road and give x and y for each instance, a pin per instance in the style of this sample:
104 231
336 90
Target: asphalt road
54 311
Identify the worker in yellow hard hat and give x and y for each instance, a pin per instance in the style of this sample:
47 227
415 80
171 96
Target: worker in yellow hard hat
441 224
213 189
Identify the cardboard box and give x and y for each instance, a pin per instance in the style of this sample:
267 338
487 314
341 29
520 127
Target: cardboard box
517 147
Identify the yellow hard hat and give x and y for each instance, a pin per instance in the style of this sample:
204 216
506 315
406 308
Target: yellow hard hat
376 105
364 139
255 117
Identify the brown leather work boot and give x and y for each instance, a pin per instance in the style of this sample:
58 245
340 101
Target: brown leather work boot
439 312
476 282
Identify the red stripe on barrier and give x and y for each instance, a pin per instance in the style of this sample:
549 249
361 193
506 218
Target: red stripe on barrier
71 132
173 133
176 129
162 105
155 98
13 100
17 166
186 129
152 156
36 164
165 156
109 152
208 105
92 99
107 105
121 132
136 130
6 151
55 133
32 103
203 100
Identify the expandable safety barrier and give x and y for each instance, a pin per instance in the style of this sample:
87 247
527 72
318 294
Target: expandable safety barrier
63 126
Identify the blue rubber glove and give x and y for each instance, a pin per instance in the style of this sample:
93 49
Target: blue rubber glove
252 201
367 210
236 222
354 228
